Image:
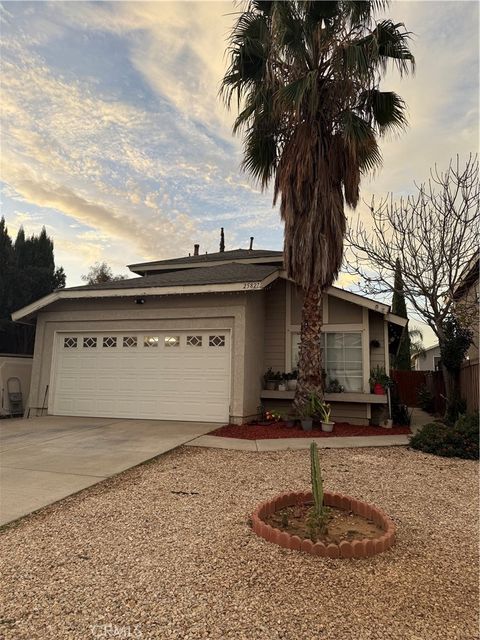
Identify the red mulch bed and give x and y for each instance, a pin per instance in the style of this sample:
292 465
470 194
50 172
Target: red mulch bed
279 430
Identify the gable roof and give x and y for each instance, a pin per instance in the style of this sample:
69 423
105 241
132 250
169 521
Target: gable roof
224 278
244 256
230 273
220 278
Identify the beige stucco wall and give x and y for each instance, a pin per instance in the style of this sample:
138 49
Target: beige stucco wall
14 367
227 311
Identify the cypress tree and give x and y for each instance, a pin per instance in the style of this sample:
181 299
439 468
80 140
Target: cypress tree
402 360
27 272
6 269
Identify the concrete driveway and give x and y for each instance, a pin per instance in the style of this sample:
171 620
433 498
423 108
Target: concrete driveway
46 459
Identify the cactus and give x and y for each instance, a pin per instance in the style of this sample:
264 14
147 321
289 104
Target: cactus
317 482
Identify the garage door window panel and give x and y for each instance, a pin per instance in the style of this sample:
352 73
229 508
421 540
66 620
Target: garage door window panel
109 342
216 341
151 341
70 343
90 342
171 341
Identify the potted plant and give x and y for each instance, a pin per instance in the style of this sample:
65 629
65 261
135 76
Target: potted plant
334 387
325 412
282 383
309 410
379 380
292 380
269 379
278 378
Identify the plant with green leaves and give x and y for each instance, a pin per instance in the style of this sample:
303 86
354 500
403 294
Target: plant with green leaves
325 412
306 77
318 515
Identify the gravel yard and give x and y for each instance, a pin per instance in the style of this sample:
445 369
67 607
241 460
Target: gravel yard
166 546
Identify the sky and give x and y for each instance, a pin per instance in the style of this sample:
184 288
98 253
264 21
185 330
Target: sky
114 138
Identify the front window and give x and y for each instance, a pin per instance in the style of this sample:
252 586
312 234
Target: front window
342 358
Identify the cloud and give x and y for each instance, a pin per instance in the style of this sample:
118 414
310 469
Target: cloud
111 120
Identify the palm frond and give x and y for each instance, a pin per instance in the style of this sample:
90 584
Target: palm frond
292 95
386 108
392 44
260 152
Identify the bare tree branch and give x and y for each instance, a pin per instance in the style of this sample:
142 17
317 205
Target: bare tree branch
434 233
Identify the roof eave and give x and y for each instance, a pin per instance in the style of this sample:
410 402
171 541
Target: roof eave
354 298
140 292
152 266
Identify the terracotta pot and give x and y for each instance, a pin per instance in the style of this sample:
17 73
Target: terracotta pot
270 385
292 385
378 389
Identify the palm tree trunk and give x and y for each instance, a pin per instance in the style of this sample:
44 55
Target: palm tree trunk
310 379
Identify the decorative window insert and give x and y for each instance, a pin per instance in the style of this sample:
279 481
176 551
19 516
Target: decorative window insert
216 341
129 341
172 341
194 341
343 359
70 343
90 343
150 341
109 341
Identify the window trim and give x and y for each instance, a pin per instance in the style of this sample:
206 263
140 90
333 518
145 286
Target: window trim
339 328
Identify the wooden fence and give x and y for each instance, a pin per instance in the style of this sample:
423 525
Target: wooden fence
469 387
469 384
407 384
435 384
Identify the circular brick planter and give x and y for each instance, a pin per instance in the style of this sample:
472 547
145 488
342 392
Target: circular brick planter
346 549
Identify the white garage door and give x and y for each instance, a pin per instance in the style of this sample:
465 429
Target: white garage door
175 375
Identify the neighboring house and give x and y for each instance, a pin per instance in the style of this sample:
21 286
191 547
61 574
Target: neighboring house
191 338
429 360
467 295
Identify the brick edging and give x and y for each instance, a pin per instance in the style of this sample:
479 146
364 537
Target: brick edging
346 549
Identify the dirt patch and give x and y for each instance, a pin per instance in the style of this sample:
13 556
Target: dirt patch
341 525
280 430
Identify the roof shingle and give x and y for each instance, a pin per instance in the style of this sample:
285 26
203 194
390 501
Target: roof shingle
221 274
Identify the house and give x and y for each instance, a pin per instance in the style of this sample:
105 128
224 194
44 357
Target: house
428 360
466 295
190 339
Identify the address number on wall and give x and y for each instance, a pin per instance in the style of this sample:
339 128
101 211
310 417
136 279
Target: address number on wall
252 285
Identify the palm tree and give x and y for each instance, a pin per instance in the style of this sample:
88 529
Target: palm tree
305 76
417 350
